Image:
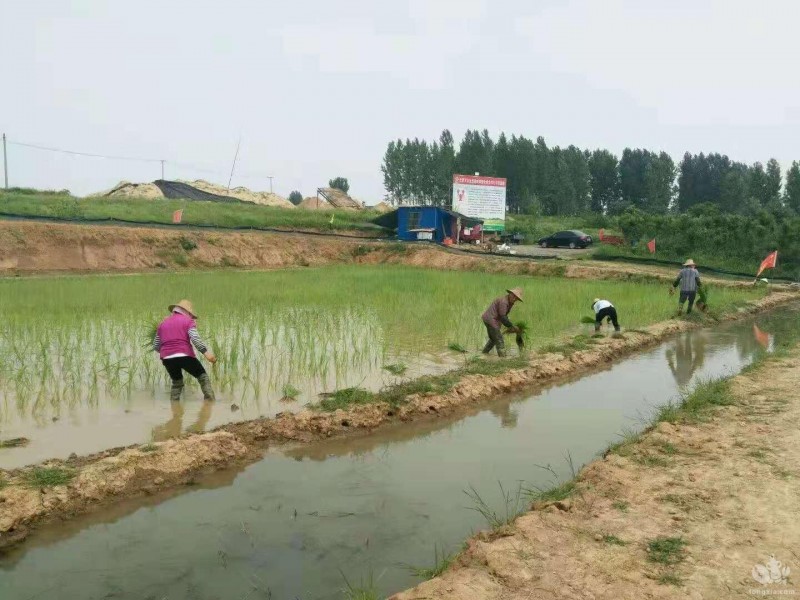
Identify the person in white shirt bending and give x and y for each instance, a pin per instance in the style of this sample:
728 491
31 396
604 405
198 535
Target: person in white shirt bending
603 309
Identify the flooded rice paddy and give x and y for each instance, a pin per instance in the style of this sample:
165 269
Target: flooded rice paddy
77 374
302 521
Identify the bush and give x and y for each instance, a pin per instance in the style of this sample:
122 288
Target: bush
295 197
340 183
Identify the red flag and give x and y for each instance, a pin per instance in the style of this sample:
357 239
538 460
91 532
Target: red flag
651 245
601 234
177 216
768 263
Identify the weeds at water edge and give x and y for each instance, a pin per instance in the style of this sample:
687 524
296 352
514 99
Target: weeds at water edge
366 590
513 506
441 561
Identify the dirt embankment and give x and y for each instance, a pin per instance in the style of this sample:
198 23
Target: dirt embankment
104 478
692 510
31 247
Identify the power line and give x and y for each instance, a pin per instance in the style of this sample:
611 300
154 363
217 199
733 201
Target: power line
180 165
75 153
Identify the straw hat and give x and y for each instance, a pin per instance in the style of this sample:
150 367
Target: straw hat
595 301
516 292
185 305
689 263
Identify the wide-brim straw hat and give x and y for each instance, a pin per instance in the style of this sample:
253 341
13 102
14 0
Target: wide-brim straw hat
185 305
689 263
516 292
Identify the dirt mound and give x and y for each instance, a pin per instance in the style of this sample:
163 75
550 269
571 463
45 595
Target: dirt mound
314 203
382 207
339 199
242 193
126 189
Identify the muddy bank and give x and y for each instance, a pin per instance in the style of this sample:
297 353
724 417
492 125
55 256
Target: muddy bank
105 478
692 509
28 248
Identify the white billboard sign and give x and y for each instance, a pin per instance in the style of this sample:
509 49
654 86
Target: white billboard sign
482 198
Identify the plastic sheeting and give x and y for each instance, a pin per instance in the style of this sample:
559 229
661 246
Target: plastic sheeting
176 190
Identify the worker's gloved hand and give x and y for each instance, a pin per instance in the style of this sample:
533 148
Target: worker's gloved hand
512 330
210 357
672 291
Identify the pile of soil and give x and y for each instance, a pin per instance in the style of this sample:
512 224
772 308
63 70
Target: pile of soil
126 189
382 207
339 199
242 193
314 203
150 191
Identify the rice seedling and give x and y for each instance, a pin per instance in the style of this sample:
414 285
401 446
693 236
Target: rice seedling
456 347
587 320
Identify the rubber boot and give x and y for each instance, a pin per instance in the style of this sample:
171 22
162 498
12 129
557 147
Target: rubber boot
175 391
205 385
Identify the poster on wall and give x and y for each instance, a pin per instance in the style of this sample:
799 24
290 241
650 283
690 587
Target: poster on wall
481 198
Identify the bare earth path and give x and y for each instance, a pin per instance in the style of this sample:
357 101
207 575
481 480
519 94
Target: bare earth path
728 487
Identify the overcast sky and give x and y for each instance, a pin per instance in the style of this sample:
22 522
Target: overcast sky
316 89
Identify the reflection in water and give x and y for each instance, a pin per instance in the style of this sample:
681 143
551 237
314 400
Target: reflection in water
761 337
686 355
507 415
173 427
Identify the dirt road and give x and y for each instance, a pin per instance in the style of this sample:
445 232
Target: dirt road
694 509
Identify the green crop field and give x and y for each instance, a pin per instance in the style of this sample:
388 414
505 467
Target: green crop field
76 340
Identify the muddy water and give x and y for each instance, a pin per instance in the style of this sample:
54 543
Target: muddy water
143 415
295 524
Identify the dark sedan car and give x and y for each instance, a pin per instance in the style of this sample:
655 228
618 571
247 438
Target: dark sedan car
570 239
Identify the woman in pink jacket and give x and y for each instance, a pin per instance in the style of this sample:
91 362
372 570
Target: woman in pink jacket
174 340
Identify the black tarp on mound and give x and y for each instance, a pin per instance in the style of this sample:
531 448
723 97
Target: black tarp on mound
175 190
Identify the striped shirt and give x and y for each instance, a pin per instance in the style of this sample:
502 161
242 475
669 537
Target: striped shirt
689 280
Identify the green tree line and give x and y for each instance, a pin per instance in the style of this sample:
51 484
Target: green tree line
571 181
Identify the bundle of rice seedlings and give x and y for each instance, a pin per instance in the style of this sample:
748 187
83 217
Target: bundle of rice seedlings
456 347
587 320
522 333
290 393
396 369
702 297
149 330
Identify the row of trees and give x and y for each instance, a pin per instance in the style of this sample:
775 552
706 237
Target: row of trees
568 181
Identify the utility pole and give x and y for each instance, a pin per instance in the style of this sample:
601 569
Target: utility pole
270 184
5 161
162 169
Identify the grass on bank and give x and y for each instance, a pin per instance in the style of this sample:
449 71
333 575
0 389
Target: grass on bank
218 214
48 476
441 562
